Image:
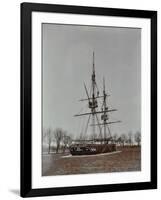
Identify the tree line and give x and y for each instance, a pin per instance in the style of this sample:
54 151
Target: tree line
127 139
59 137
62 139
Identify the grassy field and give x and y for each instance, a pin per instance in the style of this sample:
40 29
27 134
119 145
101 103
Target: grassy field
126 159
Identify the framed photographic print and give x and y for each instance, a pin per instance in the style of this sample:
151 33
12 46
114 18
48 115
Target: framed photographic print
88 99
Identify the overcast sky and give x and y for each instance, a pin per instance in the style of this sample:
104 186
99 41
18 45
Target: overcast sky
67 64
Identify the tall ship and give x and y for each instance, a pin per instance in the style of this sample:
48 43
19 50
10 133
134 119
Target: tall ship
101 140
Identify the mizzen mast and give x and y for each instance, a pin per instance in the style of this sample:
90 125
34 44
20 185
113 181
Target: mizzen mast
104 116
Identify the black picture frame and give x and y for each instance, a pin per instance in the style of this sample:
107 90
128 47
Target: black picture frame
26 95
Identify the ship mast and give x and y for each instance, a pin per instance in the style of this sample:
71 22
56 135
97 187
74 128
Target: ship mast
94 101
93 105
104 117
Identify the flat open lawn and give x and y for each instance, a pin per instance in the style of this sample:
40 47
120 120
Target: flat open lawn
128 159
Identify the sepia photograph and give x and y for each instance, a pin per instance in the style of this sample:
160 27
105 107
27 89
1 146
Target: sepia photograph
91 99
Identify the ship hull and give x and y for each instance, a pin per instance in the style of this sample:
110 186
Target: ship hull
91 149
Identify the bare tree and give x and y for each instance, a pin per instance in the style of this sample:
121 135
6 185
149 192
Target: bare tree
115 138
123 139
119 141
58 135
48 137
129 140
138 138
66 140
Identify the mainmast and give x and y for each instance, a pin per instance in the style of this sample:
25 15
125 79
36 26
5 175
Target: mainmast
94 101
